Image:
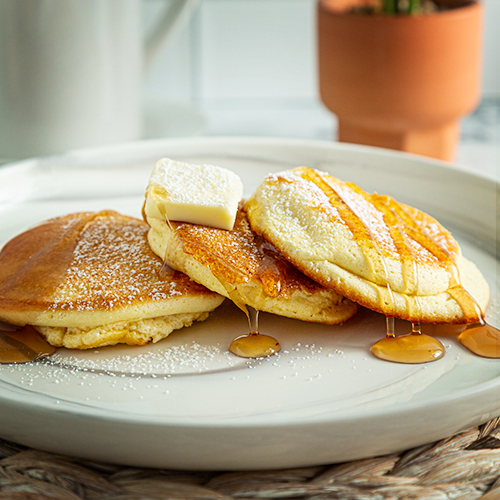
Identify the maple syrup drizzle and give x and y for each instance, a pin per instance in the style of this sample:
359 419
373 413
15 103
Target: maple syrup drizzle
414 347
23 345
479 337
166 272
255 344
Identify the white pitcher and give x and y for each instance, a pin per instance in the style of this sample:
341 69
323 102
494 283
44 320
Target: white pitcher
71 72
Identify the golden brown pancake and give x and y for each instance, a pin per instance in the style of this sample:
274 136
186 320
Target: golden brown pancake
382 254
90 279
242 266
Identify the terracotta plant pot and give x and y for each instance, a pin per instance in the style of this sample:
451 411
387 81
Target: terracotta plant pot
401 81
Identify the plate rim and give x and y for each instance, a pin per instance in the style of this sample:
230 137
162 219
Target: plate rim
268 141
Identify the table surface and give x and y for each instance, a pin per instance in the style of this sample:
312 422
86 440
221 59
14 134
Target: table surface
465 466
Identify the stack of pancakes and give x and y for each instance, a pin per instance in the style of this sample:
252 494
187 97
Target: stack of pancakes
305 245
309 246
245 268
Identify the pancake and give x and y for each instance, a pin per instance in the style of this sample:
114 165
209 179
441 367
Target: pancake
384 255
245 268
88 280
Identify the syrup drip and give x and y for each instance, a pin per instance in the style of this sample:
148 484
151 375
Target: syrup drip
255 344
263 266
480 338
23 346
413 348
166 272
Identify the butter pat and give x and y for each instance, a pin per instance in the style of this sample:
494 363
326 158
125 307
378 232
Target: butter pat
199 194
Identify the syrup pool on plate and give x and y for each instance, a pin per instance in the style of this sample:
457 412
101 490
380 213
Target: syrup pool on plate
22 345
481 339
414 347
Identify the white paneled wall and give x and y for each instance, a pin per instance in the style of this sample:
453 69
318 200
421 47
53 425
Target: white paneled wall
258 49
253 54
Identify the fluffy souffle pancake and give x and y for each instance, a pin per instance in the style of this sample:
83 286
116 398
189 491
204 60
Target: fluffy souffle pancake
238 261
382 254
88 280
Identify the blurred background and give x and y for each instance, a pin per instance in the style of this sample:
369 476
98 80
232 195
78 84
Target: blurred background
249 67
71 74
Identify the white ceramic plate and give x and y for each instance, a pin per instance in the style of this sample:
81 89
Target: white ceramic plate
186 402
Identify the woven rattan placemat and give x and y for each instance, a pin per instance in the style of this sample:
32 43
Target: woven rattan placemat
465 466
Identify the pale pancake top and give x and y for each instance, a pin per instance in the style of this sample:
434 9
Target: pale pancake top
367 247
89 269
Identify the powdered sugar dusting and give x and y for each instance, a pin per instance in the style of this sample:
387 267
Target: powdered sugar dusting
181 359
113 266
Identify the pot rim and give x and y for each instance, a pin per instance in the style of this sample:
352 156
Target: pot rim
327 6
